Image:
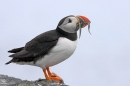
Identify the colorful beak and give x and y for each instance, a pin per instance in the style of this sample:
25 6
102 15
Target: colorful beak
84 21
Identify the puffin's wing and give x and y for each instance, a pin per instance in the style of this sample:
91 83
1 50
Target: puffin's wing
39 46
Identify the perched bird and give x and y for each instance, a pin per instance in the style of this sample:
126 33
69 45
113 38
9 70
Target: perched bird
51 47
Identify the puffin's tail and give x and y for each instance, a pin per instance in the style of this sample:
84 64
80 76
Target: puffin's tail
15 50
9 62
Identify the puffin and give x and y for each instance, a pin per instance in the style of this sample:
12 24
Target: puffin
51 47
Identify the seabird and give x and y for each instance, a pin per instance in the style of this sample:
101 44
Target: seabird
51 47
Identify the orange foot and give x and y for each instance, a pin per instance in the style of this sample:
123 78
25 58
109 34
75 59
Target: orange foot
51 76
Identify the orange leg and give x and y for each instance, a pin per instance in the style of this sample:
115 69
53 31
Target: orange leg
51 76
47 77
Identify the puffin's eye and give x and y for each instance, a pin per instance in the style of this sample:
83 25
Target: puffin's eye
69 21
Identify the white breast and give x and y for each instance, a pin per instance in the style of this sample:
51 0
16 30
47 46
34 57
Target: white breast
63 50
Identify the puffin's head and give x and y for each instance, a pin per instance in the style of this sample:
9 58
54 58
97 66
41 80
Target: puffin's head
71 24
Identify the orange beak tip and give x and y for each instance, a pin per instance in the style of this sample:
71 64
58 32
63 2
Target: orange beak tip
84 18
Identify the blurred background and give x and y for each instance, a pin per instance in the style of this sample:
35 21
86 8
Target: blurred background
101 59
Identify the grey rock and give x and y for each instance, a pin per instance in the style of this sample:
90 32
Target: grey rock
11 81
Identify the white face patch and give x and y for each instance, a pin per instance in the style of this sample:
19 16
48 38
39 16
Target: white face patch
69 25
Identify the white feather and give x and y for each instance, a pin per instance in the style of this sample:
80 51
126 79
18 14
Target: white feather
69 27
63 50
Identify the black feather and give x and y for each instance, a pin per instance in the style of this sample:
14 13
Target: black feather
37 47
15 50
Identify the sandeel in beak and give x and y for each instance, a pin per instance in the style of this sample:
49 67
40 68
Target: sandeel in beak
83 21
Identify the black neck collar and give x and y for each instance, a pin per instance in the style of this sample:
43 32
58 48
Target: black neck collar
71 36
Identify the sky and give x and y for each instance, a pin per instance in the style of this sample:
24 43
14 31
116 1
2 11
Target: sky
101 59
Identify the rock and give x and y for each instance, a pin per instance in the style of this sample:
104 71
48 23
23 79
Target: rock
11 81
